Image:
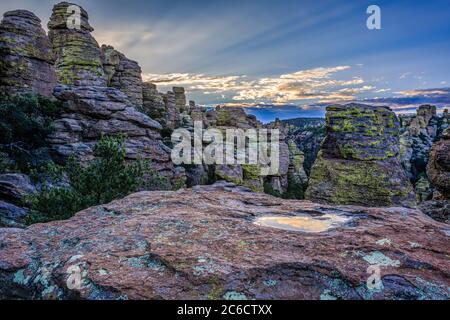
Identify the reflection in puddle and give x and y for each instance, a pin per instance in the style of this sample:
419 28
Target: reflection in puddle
303 223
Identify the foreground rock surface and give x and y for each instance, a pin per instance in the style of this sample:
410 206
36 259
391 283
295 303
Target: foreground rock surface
203 244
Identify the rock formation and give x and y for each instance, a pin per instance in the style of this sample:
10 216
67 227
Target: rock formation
180 99
77 53
172 117
308 135
14 188
417 139
213 243
438 170
358 162
153 103
123 74
11 216
296 174
26 57
91 107
439 165
418 133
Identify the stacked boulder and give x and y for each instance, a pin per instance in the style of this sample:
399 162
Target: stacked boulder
123 74
359 159
26 57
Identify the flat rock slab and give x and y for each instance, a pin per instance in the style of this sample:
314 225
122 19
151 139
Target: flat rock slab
203 243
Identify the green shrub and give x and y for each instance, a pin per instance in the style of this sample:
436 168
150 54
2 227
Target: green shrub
104 179
26 119
271 191
25 123
296 191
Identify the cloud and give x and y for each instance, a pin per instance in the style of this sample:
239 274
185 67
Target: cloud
317 84
207 84
409 100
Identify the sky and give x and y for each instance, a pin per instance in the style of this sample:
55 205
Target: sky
280 58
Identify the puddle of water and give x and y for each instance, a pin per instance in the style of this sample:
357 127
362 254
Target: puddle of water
303 223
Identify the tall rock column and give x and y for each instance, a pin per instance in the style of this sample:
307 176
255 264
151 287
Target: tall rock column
77 53
180 99
172 115
359 160
26 57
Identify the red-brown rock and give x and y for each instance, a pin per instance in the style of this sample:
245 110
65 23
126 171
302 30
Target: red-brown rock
204 243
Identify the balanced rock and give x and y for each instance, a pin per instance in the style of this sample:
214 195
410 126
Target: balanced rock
26 57
358 162
123 73
77 53
224 242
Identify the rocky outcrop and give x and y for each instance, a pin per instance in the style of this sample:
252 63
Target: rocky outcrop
439 165
77 53
358 162
12 216
153 103
160 107
90 112
14 187
419 133
296 175
123 74
180 99
439 210
26 57
308 135
172 116
91 107
223 242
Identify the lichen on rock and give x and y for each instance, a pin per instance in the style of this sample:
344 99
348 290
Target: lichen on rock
26 57
358 162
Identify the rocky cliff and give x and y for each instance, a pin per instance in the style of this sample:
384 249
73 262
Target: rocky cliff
123 74
358 162
224 242
101 90
308 135
418 133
